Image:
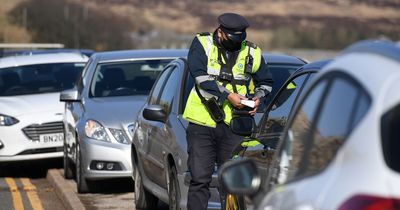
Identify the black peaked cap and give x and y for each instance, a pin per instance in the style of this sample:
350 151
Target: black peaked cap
232 22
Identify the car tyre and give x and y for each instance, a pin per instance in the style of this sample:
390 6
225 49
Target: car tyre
68 173
81 182
173 189
144 200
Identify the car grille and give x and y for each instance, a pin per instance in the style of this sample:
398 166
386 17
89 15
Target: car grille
40 151
33 131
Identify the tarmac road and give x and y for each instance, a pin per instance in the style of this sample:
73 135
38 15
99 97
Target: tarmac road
24 186
113 194
37 185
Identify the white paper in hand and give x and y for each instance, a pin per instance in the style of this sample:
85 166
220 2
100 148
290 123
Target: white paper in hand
248 103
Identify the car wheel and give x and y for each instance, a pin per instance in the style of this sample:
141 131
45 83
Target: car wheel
82 185
144 200
173 190
68 173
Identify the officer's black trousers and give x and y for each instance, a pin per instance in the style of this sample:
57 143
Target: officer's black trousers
207 146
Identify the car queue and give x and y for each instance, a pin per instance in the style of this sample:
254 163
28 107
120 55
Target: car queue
112 128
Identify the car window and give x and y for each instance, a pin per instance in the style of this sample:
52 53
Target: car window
332 128
279 73
276 118
153 98
126 78
189 84
390 124
169 89
299 134
39 78
363 104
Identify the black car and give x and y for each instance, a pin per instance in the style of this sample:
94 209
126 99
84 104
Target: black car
159 149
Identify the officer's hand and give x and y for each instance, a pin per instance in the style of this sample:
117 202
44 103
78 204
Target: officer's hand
235 98
257 103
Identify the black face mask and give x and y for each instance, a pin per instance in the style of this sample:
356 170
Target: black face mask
231 45
233 41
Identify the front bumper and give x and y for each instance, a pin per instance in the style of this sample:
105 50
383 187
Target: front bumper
18 147
31 157
94 150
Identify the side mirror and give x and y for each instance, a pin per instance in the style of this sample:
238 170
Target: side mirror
240 177
243 125
154 113
70 95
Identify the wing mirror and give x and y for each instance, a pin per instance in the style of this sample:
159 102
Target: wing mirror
70 95
154 113
243 125
240 177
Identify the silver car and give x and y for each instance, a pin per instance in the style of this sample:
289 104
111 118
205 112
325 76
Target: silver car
101 109
30 113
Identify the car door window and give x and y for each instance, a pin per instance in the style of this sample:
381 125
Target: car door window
282 106
363 104
299 134
188 86
153 98
169 89
279 73
333 126
390 124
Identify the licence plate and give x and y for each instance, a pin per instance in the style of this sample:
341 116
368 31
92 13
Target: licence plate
51 137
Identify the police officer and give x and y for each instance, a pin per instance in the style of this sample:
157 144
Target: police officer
222 64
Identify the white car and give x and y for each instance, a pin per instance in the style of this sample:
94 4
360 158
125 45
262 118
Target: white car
30 111
341 147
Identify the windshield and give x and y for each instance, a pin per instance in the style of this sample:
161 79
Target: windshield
38 78
126 78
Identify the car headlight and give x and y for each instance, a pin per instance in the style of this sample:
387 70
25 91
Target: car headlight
7 120
96 131
120 136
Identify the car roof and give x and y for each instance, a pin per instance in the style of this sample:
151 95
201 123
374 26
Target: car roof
313 66
7 53
109 56
375 65
87 52
379 47
23 60
282 59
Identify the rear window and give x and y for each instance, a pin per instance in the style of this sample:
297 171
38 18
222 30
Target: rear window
39 78
126 78
391 138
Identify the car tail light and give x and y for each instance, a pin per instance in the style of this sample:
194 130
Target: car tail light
369 202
